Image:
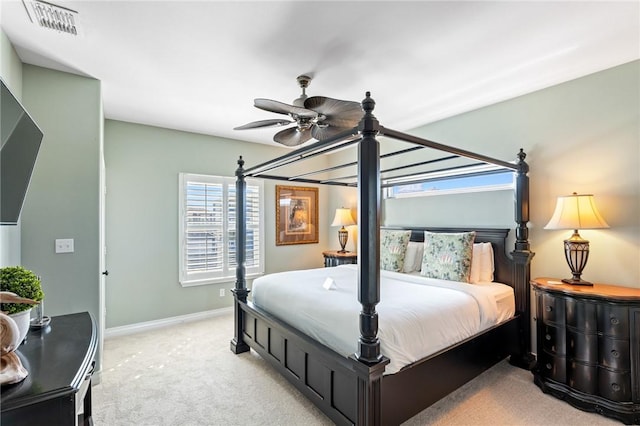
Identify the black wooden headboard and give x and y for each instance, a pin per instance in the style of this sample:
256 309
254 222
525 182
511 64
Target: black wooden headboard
497 237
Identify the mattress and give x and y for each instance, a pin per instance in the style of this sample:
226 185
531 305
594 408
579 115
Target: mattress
417 316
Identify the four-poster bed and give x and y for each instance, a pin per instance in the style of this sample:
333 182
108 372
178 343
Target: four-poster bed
355 389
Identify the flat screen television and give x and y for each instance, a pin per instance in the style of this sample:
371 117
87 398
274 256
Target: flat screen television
21 138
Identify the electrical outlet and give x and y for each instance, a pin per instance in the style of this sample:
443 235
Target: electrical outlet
222 292
64 245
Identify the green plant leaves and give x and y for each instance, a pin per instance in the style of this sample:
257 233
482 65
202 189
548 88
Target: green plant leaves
22 282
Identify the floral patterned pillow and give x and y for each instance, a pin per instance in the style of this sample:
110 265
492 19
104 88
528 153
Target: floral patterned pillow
447 256
393 246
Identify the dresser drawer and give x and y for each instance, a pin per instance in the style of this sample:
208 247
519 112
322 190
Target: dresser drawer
552 309
583 377
581 315
613 321
614 353
554 340
614 386
582 347
553 367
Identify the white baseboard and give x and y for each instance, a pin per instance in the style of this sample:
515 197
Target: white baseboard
165 322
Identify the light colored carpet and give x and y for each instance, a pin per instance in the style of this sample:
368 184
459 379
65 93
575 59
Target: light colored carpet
186 375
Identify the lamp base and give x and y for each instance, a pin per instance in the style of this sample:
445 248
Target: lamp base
343 236
573 281
576 252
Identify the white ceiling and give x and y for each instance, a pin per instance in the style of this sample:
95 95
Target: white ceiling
197 66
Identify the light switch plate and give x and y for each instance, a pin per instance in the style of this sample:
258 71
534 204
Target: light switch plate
64 245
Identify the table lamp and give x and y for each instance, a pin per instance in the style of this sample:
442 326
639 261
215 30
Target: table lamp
343 218
576 212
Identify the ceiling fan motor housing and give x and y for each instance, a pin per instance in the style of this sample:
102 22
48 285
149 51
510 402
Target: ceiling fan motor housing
303 81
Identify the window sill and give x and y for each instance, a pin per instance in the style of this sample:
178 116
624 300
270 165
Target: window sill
209 281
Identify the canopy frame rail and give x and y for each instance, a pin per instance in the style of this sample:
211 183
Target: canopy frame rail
440 147
427 176
324 146
353 136
355 163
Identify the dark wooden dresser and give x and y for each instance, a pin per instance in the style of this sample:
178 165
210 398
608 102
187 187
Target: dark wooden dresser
588 346
60 360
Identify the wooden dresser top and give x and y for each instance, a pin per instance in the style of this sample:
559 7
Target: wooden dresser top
603 291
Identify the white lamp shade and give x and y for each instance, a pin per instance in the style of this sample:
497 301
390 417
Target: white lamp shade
576 212
343 218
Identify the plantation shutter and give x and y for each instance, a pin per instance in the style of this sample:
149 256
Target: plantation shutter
253 234
208 229
204 220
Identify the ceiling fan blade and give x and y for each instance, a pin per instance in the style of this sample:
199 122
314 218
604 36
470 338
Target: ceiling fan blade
337 112
264 123
292 136
325 132
282 108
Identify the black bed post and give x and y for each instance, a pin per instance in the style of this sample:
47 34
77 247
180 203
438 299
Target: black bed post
522 256
369 240
371 362
240 291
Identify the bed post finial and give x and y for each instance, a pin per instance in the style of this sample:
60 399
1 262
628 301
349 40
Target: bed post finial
369 125
368 104
240 292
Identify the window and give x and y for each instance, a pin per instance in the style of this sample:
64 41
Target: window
208 229
485 178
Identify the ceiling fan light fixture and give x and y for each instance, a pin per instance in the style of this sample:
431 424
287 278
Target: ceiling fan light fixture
53 17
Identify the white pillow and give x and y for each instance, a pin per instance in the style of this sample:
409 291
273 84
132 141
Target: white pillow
487 267
476 261
413 257
482 267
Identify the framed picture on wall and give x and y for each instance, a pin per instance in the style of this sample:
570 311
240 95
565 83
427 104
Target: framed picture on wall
296 215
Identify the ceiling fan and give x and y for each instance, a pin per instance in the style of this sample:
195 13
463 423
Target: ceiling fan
317 117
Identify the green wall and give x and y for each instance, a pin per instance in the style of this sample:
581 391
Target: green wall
142 165
63 196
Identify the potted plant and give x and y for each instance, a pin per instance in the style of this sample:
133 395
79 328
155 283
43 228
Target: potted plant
23 283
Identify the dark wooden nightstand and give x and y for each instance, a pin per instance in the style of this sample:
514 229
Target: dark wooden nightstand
588 346
335 258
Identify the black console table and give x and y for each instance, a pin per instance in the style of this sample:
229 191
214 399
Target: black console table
60 360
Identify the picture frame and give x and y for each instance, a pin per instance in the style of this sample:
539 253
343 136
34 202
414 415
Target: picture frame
296 215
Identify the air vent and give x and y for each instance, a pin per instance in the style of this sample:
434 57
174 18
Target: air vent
51 16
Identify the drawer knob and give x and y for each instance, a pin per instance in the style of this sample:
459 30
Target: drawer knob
615 353
548 308
615 387
548 366
615 321
548 337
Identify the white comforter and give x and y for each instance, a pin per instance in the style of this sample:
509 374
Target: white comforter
418 316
